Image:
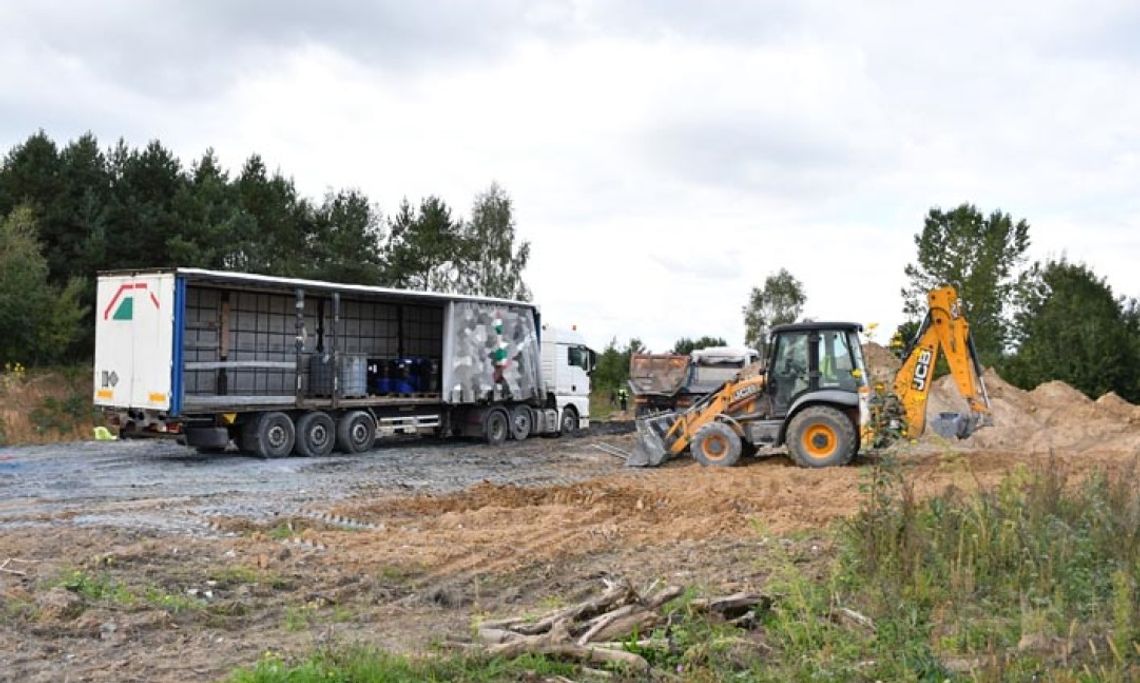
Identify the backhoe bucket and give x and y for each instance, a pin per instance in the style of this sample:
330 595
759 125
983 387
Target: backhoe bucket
649 450
957 425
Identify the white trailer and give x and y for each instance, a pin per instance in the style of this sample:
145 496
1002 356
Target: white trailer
282 366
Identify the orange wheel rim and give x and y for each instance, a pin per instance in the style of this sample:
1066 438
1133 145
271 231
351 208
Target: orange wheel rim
819 441
715 447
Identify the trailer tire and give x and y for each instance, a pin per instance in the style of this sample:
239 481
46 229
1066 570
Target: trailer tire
568 423
522 422
821 436
716 445
496 427
269 435
316 435
355 432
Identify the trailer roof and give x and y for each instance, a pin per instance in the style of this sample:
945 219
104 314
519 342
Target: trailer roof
224 277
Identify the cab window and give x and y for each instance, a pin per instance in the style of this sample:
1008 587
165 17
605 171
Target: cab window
790 372
835 361
579 357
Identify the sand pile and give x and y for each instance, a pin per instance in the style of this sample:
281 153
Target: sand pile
881 363
1053 416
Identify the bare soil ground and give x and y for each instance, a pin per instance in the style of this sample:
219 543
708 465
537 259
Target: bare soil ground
142 561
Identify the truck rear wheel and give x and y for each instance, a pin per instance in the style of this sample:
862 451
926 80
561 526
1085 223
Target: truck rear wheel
355 432
269 435
821 436
316 435
716 445
522 422
495 427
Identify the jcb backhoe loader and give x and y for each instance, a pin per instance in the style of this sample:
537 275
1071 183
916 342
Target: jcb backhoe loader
813 395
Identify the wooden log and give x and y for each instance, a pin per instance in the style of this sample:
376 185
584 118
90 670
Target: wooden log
494 636
621 628
591 655
617 594
731 606
663 596
601 622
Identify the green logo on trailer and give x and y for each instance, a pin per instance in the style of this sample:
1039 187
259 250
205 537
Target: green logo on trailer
126 310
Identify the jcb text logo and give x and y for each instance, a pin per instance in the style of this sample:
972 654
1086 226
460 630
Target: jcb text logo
922 370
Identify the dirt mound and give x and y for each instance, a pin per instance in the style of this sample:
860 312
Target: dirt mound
881 363
1053 416
1112 403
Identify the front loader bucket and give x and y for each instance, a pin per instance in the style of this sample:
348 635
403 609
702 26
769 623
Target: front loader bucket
649 450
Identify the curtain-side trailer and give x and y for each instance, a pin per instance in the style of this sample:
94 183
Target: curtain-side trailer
282 366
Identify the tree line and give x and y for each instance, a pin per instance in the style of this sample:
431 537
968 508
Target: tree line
1032 322
67 212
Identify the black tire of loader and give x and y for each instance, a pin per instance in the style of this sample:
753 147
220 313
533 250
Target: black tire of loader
829 420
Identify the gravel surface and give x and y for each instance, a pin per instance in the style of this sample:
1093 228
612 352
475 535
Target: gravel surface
159 485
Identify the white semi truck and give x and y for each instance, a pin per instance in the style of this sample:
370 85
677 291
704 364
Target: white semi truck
281 366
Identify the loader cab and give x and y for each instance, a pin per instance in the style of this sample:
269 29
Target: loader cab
809 361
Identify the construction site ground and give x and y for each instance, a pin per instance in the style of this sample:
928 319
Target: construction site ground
143 561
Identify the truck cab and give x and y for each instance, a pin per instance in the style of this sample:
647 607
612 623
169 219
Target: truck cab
567 361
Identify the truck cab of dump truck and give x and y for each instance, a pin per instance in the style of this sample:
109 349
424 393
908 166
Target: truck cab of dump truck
567 362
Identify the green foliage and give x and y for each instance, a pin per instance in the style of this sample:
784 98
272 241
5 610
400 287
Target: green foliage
1072 328
38 319
122 208
95 587
365 665
491 264
1013 571
686 346
425 247
60 415
780 301
983 256
612 371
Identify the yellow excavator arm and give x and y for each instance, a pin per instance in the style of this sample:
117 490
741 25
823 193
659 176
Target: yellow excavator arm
944 329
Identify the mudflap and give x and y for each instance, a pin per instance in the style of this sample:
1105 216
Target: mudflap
649 450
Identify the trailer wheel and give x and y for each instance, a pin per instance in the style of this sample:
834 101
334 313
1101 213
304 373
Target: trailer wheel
569 422
522 422
716 445
316 434
270 435
355 432
495 427
821 436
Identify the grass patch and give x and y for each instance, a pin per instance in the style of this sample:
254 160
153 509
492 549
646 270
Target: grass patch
364 665
234 575
95 587
172 602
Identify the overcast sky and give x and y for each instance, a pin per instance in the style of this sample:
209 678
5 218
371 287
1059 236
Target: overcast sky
664 157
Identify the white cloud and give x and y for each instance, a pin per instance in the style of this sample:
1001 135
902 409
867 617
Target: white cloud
662 161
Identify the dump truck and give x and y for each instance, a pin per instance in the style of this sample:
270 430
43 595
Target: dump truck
282 366
813 396
663 382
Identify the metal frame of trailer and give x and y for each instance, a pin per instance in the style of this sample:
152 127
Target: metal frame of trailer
244 344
